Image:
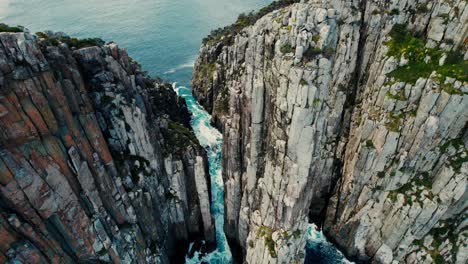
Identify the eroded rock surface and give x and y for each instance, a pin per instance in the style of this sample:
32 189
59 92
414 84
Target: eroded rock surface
97 160
354 113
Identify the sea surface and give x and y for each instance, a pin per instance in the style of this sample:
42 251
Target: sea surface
164 36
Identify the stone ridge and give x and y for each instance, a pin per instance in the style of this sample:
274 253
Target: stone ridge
351 114
97 161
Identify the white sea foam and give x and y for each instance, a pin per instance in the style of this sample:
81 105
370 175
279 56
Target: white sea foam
211 139
316 238
188 64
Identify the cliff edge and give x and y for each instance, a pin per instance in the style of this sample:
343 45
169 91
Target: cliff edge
350 114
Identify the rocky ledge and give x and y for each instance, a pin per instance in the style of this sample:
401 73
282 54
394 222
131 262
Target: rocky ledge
350 114
98 162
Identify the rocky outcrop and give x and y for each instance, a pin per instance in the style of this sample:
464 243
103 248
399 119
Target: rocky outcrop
352 114
97 160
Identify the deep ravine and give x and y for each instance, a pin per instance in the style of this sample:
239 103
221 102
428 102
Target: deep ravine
351 114
212 140
318 249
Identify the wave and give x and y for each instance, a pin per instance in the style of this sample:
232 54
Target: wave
320 250
188 64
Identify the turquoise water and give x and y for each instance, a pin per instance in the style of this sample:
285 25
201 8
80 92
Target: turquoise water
164 36
212 140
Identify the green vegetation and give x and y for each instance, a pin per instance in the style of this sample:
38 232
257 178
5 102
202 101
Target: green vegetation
394 121
71 42
400 95
102 252
370 144
394 12
450 89
316 38
456 143
459 157
457 161
6 28
311 53
444 230
378 188
179 137
421 9
267 233
415 188
251 244
445 17
226 35
328 52
423 61
286 48
208 70
303 82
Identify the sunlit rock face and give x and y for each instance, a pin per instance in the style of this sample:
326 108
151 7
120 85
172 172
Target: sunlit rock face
97 160
352 114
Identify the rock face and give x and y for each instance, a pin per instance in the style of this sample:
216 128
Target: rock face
97 160
352 114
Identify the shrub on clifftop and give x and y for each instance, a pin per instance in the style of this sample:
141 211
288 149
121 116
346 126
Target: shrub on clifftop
57 38
226 34
6 28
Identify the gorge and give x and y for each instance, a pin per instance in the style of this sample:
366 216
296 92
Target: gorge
347 115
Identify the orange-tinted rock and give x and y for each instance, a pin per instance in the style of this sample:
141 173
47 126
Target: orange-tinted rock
5 175
83 179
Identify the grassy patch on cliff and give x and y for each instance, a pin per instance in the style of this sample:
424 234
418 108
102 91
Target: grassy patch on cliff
226 34
267 233
414 188
208 70
312 52
394 121
178 138
287 48
443 232
459 154
423 61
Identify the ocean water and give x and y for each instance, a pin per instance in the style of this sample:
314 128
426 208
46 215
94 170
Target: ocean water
164 36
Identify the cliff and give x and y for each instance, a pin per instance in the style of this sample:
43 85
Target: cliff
351 114
97 160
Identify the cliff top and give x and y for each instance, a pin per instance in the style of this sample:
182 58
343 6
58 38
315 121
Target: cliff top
226 34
